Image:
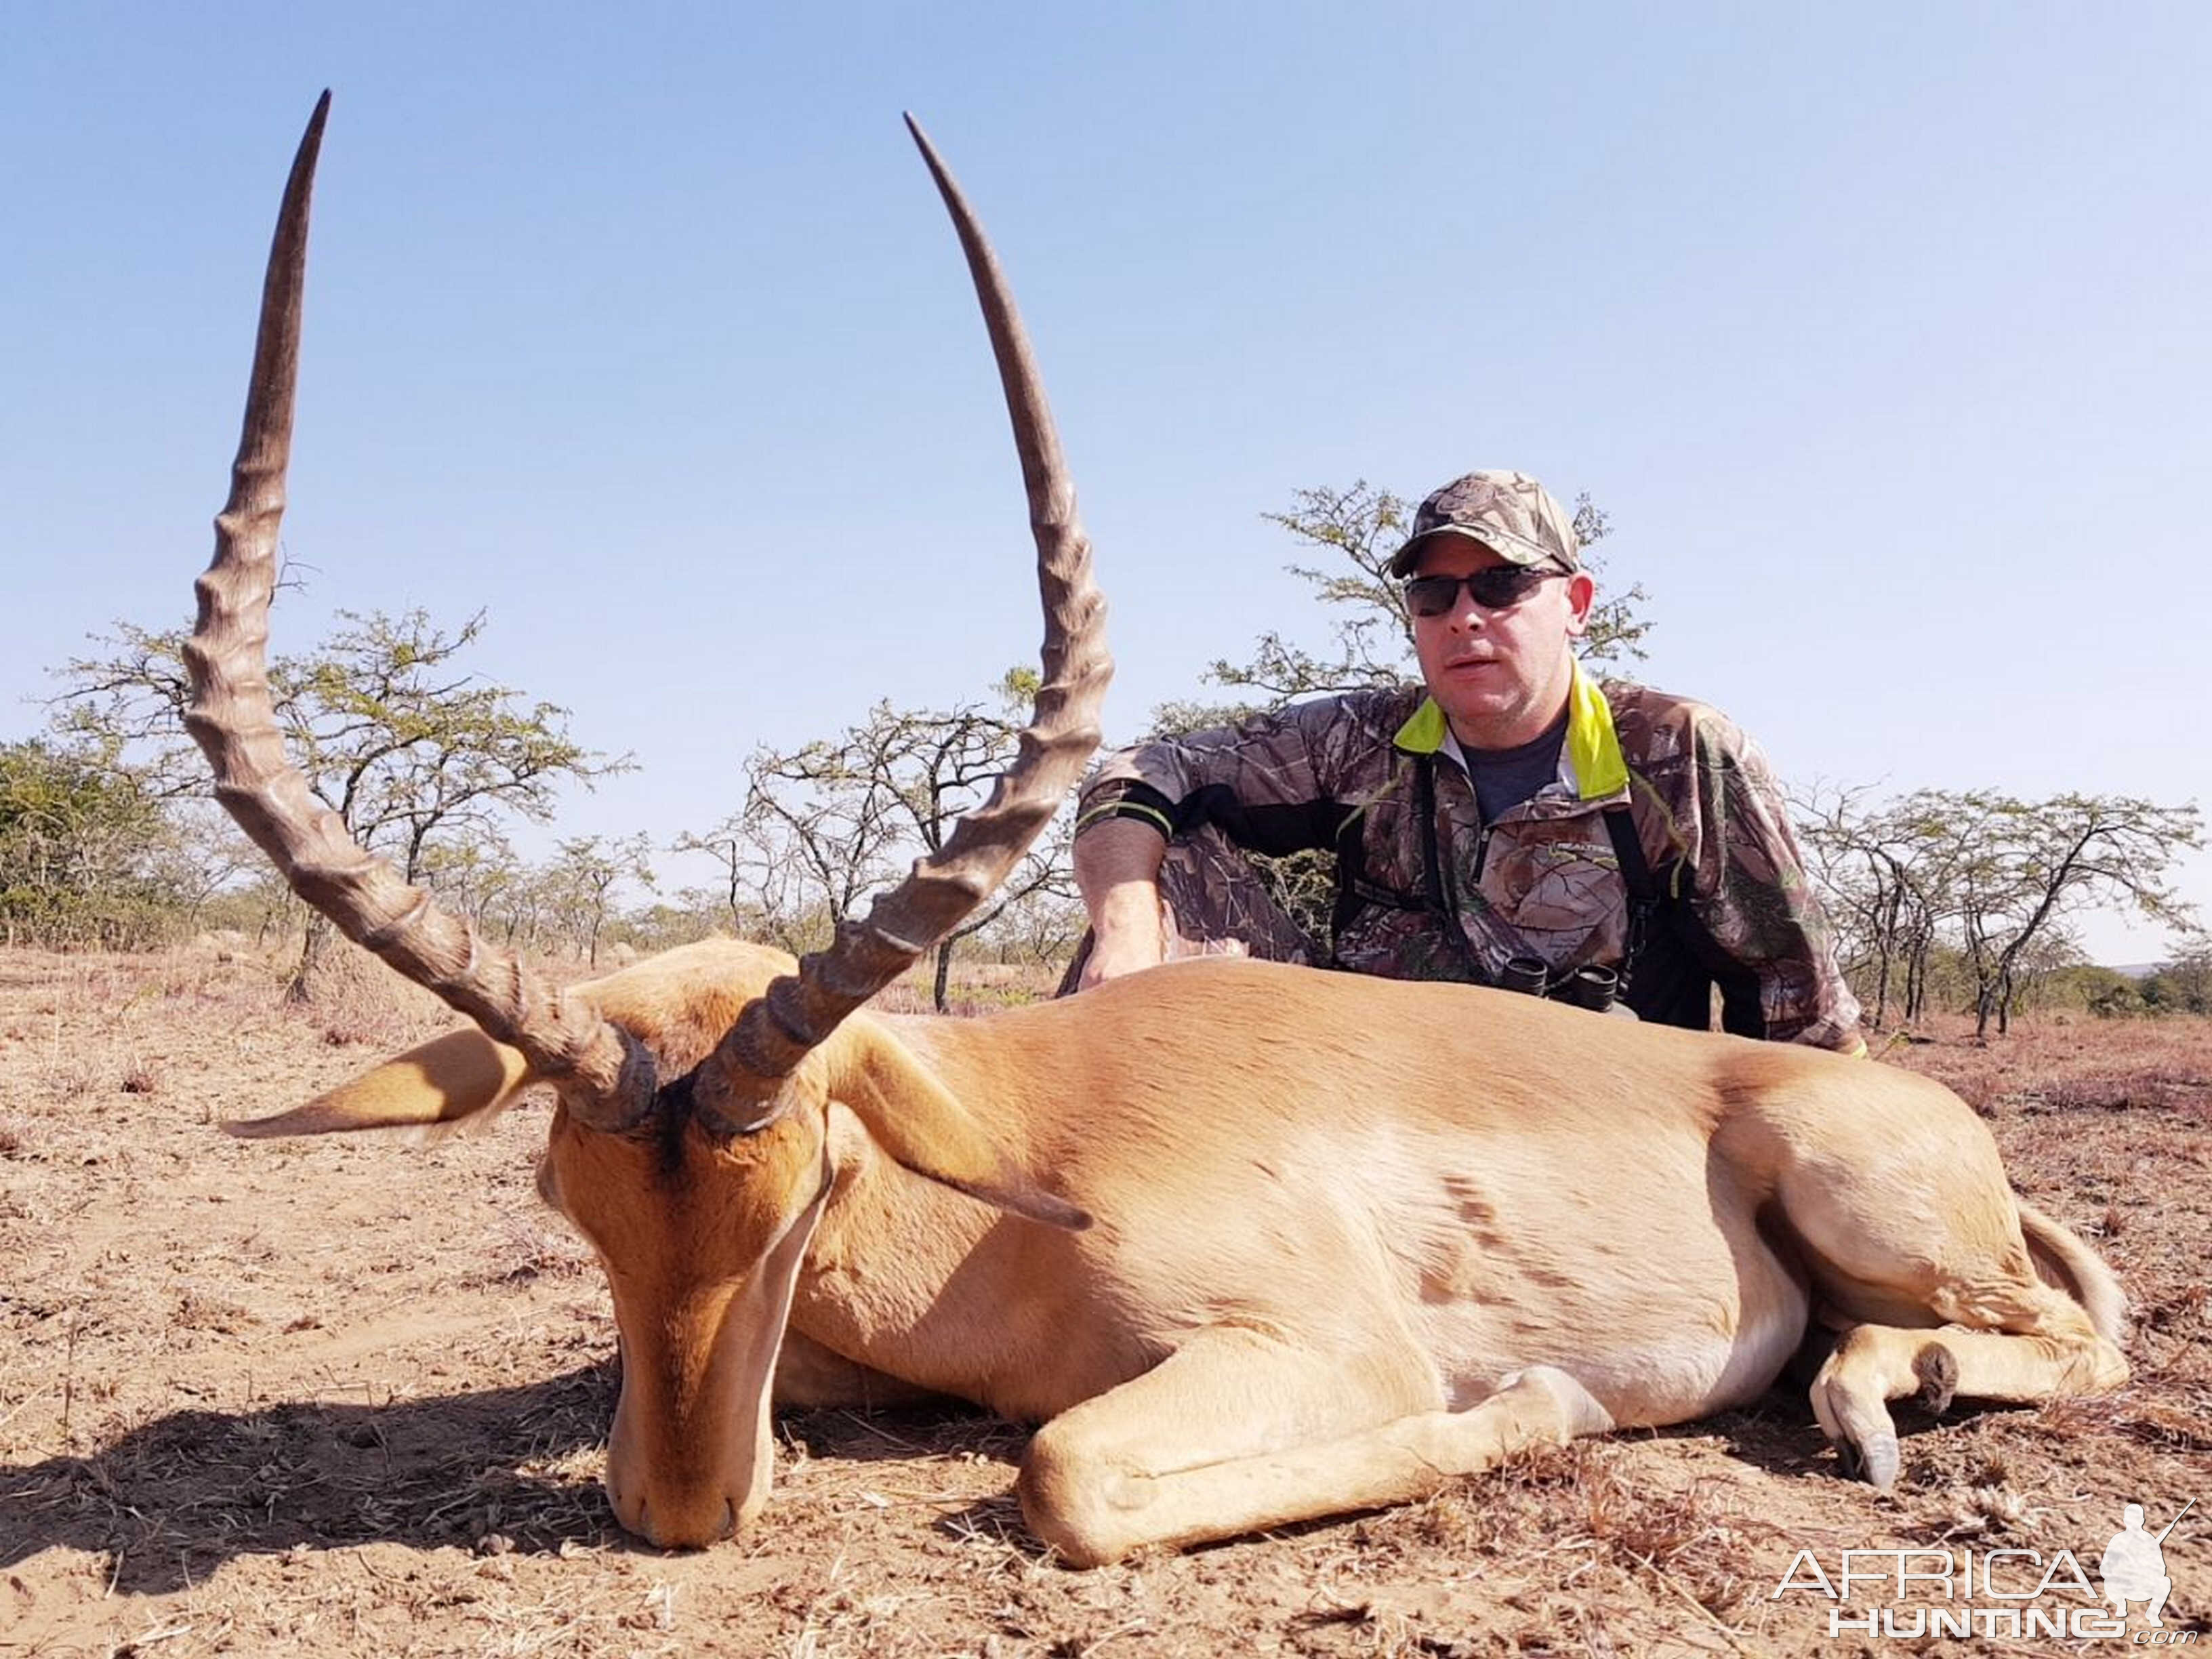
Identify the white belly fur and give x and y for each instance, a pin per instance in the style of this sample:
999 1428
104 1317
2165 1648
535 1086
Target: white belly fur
1656 1332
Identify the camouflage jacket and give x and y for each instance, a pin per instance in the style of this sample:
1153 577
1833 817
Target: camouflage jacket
1726 898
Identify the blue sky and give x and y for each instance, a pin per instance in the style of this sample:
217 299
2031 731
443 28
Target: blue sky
1881 334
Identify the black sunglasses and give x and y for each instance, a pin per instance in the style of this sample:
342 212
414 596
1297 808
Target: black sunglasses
1494 588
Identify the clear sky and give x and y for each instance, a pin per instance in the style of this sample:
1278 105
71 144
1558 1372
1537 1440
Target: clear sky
1882 332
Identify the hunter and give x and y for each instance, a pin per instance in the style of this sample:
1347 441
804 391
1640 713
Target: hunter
1510 821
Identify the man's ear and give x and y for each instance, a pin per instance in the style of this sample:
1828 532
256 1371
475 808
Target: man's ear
1582 593
453 1079
923 1127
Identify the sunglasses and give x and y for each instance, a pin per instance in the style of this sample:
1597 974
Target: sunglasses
1494 588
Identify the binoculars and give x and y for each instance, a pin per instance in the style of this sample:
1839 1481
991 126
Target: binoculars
1590 986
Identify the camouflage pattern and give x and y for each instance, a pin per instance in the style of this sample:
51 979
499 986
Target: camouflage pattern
1543 880
1212 904
1509 513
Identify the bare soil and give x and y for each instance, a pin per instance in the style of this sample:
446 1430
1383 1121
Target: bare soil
349 1399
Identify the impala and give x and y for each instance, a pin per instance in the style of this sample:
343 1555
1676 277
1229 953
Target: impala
1254 1243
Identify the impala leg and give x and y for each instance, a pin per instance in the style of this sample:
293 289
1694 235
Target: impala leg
1230 1436
1873 1364
1933 1291
809 1377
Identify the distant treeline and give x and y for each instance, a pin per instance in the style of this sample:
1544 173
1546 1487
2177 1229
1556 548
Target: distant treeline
1943 899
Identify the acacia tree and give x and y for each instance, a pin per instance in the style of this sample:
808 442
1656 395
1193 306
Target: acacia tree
2025 864
1889 874
80 839
779 858
2184 985
816 835
409 749
2046 967
1859 903
1043 928
1995 876
198 854
476 878
825 824
582 880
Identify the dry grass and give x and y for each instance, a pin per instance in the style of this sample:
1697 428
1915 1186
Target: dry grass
355 1000
974 989
2068 1063
351 1399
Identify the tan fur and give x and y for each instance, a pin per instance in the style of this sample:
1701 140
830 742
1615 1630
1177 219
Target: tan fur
2065 1261
1351 1236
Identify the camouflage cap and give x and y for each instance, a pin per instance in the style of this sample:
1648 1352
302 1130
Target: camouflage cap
1509 513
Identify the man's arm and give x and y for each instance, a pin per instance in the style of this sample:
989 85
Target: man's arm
1264 785
1752 911
1117 868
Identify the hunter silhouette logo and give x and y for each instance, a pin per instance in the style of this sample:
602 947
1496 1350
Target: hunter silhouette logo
2134 1566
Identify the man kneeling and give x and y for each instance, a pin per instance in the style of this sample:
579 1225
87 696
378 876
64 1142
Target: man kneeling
1510 821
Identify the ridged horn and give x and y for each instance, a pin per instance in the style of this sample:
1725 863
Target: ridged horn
777 1031
232 718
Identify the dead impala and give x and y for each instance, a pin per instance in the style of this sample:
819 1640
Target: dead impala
1252 1244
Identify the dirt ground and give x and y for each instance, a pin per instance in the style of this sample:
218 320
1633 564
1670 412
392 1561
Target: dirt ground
349 1399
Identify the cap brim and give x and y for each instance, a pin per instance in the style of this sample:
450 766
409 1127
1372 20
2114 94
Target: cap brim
1512 550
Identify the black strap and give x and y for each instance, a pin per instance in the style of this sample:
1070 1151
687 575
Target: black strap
1644 894
1681 961
1445 900
1425 809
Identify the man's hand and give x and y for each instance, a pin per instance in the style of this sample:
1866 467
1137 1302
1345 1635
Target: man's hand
1117 866
1124 949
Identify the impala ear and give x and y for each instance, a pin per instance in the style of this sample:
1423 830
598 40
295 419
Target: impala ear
922 1127
458 1077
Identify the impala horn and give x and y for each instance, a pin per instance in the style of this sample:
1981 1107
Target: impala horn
738 1087
232 719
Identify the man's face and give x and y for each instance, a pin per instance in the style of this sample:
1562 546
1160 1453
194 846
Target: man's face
1501 677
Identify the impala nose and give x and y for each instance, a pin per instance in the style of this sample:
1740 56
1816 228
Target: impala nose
671 1530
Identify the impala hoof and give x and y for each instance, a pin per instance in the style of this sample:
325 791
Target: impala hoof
1875 1461
1938 1371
